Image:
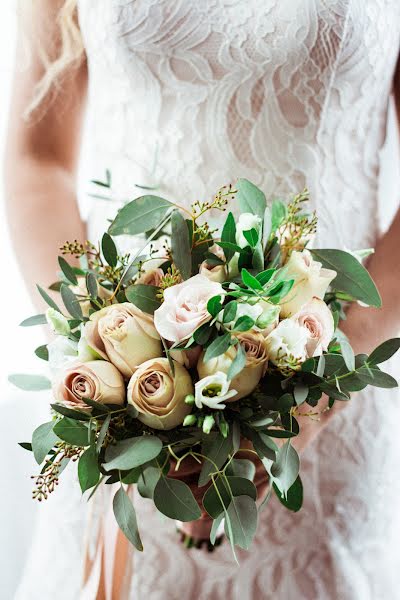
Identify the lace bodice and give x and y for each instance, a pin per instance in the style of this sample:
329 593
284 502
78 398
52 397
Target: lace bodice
186 96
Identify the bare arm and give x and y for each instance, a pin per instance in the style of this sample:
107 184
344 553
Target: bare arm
368 327
41 159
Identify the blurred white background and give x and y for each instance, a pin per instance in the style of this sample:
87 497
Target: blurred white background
21 412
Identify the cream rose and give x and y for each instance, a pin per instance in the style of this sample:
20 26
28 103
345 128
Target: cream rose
97 380
310 280
158 395
151 277
123 334
216 273
316 317
185 308
287 344
254 345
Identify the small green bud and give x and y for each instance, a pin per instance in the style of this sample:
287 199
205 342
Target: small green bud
200 421
268 317
57 322
189 399
189 420
224 428
208 423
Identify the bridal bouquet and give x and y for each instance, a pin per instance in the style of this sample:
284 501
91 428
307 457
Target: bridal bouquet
183 368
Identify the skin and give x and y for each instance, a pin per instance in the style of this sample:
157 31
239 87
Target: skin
42 158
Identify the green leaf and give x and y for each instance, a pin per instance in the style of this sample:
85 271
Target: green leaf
217 451
140 215
144 297
372 375
231 247
294 498
257 262
71 302
126 518
244 323
265 276
133 452
88 469
69 412
132 476
300 393
26 446
47 298
351 278
243 515
250 198
73 432
202 334
243 467
180 245
250 281
348 354
279 212
67 270
230 311
30 383
147 481
91 285
215 527
42 352
214 305
35 320
229 235
218 346
43 440
385 351
267 226
227 487
321 366
280 433
103 432
286 468
109 250
174 499
238 362
251 236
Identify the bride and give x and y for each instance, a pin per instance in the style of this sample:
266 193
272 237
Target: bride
184 97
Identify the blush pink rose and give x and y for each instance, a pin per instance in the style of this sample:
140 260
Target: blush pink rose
185 308
316 317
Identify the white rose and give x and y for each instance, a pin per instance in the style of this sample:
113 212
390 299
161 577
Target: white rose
246 222
287 344
185 308
151 277
254 345
213 391
158 395
62 352
96 380
310 280
316 317
124 335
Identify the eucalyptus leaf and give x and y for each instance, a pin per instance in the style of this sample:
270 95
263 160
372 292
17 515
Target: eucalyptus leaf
71 302
147 481
70 412
285 469
144 297
125 516
180 245
140 215
300 393
73 432
374 376
250 198
109 250
294 497
215 527
175 499
243 467
88 469
279 212
351 277
35 320
218 497
30 383
348 354
47 298
238 362
103 432
385 351
43 440
132 452
91 285
42 352
217 453
68 271
243 515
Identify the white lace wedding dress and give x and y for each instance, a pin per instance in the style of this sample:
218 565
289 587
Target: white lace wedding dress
185 97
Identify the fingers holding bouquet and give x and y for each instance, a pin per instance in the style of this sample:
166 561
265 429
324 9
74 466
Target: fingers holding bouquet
184 369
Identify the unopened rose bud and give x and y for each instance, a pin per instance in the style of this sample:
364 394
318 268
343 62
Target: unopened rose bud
208 423
189 421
